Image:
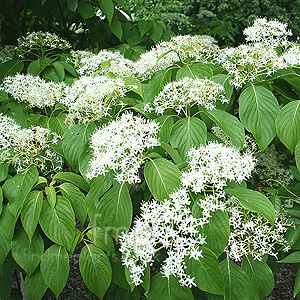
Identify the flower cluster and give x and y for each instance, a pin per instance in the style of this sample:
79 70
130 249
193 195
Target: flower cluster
213 164
292 56
36 41
7 53
33 89
272 33
91 98
246 62
270 166
186 92
25 147
169 225
179 48
87 63
120 145
252 234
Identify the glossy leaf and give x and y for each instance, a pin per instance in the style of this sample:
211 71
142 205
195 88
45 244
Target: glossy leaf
258 109
95 269
35 286
55 268
162 177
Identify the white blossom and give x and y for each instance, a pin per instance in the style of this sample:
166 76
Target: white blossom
41 40
270 166
91 98
213 164
119 146
179 48
251 234
186 92
7 53
87 63
169 225
25 147
272 33
246 62
292 56
33 89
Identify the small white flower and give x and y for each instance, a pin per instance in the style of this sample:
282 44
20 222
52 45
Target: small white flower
119 146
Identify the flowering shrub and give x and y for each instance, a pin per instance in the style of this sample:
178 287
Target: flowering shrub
177 173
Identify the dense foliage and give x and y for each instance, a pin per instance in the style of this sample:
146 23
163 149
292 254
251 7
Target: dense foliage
176 171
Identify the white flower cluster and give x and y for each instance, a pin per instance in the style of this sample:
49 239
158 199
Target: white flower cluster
33 89
272 33
87 63
179 48
213 164
169 225
41 40
100 14
292 56
7 53
246 62
186 92
251 234
119 146
270 166
91 98
25 147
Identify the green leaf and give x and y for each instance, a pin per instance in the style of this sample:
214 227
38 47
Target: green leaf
207 273
68 67
162 177
187 133
86 10
156 31
144 26
73 178
288 124
237 283
258 109
59 223
35 286
98 186
95 269
6 279
166 123
77 200
101 238
31 210
51 195
26 253
3 170
107 6
116 27
168 289
51 74
118 272
115 209
172 152
1 200
58 124
260 275
10 68
297 155
292 258
60 70
37 66
7 222
72 5
230 125
73 142
297 284
55 268
158 80
217 231
197 70
254 201
17 188
5 246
